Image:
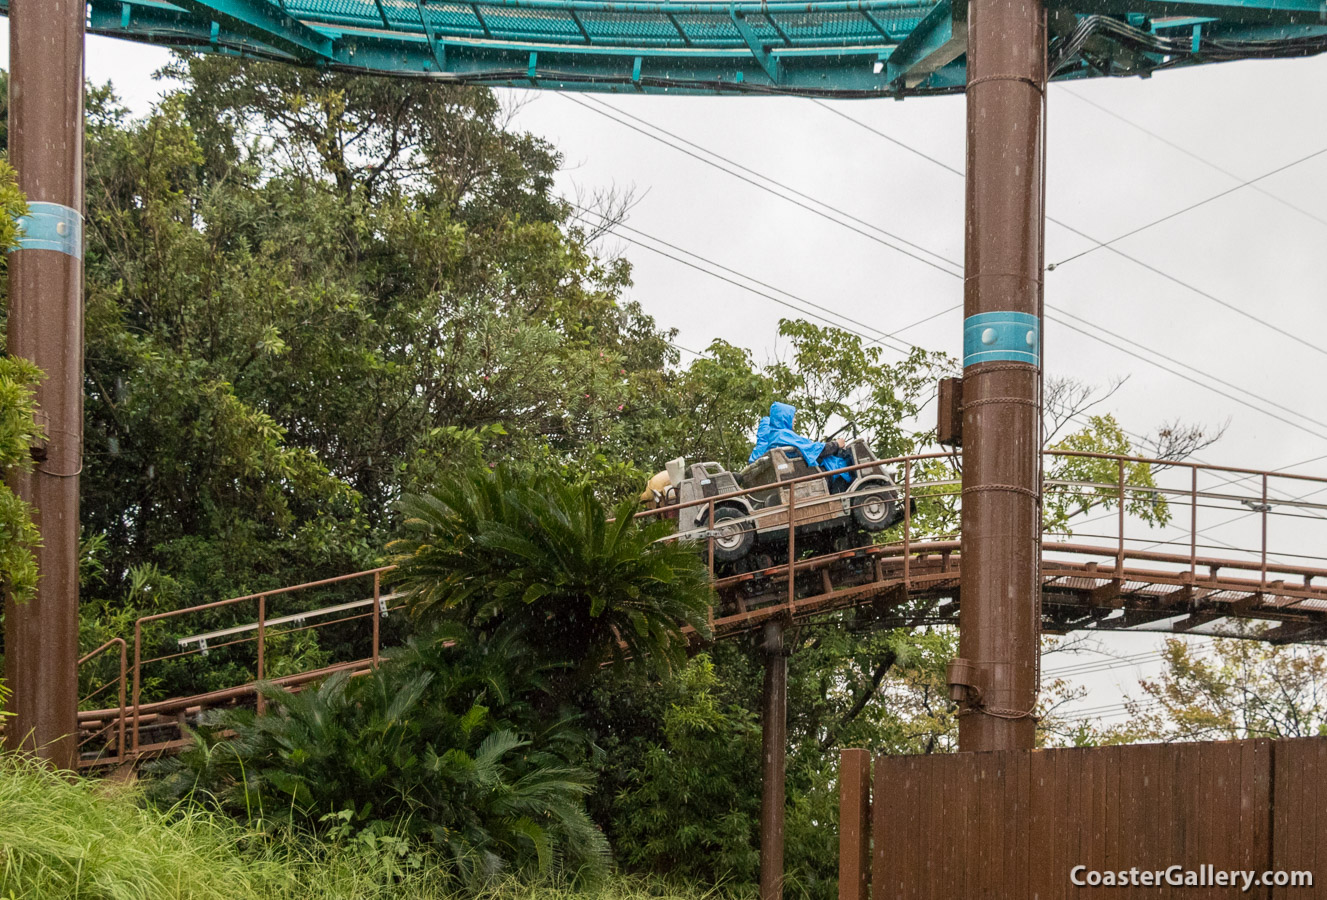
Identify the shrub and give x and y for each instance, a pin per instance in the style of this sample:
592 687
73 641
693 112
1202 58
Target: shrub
691 805
428 748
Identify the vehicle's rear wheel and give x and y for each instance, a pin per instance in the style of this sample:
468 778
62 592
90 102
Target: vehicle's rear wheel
873 506
733 537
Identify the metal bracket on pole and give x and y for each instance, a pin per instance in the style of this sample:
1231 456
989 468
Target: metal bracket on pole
437 49
940 38
266 23
766 60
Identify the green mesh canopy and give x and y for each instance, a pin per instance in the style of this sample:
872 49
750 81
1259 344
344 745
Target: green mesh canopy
820 48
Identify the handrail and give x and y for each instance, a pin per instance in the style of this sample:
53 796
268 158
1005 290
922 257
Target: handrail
120 749
261 597
293 617
907 553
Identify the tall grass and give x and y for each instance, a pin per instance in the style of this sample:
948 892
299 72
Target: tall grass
94 840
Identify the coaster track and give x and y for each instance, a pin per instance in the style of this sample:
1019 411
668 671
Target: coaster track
1152 574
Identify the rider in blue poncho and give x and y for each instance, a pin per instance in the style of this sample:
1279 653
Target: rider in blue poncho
762 440
777 431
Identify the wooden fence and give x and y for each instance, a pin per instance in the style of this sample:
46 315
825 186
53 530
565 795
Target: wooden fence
1016 824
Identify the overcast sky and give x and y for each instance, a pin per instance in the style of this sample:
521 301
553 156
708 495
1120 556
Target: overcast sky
1258 249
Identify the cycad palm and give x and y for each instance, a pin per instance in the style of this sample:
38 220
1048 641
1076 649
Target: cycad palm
542 561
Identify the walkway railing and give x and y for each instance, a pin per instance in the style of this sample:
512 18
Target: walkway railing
1148 558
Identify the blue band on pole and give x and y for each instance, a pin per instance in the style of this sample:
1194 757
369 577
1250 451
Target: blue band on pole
1001 337
51 226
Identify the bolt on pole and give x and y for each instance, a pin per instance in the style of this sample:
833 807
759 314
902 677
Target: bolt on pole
999 619
46 327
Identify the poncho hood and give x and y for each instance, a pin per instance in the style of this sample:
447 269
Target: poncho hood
781 416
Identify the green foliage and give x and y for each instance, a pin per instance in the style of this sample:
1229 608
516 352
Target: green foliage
1103 435
680 777
539 561
426 750
833 375
287 333
691 805
85 839
89 840
1230 689
18 429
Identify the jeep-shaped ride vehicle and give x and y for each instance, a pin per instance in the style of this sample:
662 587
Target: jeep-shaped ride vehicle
871 503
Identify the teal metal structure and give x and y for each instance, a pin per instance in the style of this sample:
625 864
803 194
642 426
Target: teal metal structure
822 48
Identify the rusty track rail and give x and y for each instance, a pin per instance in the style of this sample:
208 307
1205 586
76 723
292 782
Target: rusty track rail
1145 576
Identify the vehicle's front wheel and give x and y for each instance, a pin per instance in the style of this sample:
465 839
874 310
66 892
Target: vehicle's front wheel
734 535
873 506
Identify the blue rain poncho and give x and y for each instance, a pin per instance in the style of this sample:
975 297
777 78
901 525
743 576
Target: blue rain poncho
762 440
777 431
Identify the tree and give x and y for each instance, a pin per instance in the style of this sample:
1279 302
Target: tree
1228 689
688 804
310 294
539 560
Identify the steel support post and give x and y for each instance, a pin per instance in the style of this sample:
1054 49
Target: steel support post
46 326
774 740
854 823
1001 543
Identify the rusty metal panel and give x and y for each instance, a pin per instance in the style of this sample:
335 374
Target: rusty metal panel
994 791
1310 817
1188 760
1114 807
1066 822
1040 825
933 861
1319 834
1017 808
1298 769
959 859
891 780
949 415
1288 772
1091 806
1015 823
854 823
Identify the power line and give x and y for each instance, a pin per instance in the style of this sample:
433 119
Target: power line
1179 374
735 283
890 138
683 349
884 335
1201 372
1189 208
1118 252
1189 153
610 111
617 228
603 109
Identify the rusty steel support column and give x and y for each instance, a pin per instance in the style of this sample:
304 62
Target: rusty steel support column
774 740
46 327
1001 544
